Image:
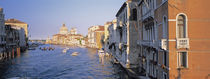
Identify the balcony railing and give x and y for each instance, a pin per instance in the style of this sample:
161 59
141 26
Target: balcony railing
182 43
148 42
163 44
2 42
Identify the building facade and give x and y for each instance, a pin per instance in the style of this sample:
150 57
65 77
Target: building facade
126 26
98 37
171 41
2 32
15 22
92 35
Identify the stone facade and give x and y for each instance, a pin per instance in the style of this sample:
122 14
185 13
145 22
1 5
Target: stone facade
92 38
2 32
106 36
126 24
15 22
160 39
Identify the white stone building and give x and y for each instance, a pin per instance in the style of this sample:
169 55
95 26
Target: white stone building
92 35
111 45
123 37
106 36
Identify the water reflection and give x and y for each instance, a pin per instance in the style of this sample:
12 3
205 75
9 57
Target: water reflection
55 64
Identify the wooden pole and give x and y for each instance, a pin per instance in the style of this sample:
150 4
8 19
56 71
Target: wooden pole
18 51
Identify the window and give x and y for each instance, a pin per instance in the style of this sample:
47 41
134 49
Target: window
164 75
164 1
182 59
134 16
164 27
165 58
181 26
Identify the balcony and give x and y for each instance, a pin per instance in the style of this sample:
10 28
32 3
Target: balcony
148 43
182 43
2 42
163 44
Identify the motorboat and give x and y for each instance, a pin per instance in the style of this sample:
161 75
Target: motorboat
51 48
101 53
74 54
31 48
65 50
107 54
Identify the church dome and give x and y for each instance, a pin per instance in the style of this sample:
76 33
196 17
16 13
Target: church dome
64 29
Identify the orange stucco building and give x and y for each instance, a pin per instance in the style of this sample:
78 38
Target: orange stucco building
196 18
174 39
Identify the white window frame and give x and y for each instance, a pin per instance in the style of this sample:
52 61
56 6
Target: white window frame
164 73
164 53
186 25
178 66
165 27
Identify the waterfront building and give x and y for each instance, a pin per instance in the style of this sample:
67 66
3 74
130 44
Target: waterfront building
15 41
127 30
18 23
67 38
172 46
98 37
21 37
59 39
63 30
114 37
106 36
2 31
92 35
75 39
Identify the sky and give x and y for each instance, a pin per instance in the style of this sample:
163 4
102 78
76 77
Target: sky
45 17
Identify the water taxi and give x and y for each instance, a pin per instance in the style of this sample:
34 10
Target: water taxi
74 54
65 50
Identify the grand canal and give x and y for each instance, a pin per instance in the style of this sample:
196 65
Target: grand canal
58 65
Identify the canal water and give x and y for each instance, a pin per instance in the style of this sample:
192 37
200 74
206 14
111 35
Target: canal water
38 64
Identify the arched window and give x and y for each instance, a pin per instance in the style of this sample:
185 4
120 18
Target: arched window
181 26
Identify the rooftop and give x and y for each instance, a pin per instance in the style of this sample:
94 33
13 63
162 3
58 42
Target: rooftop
14 21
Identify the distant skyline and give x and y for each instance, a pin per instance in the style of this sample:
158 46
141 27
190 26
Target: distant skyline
45 17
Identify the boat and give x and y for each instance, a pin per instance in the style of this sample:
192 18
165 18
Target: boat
101 53
65 50
107 54
51 48
74 54
31 48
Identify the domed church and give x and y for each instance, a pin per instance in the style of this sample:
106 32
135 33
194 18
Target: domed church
63 30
